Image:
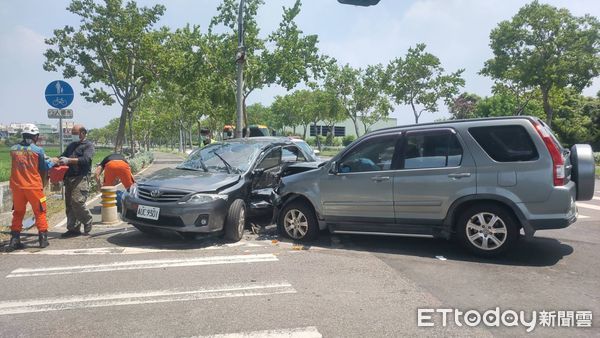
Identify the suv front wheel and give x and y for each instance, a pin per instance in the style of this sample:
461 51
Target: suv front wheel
298 222
487 230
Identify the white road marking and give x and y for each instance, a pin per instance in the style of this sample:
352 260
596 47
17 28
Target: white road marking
135 298
582 217
300 332
142 264
126 251
596 198
588 206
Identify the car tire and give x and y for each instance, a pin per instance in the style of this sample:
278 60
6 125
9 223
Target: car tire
235 221
298 222
487 230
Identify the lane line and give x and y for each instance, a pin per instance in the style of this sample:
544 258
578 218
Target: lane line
141 264
582 217
129 251
136 298
588 206
300 332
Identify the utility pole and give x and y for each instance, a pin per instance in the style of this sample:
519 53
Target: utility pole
240 59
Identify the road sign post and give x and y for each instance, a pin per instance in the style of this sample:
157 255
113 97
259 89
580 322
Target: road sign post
59 95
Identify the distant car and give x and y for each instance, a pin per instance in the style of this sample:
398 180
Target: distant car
216 189
480 181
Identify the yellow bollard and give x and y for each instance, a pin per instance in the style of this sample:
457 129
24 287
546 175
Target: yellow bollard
109 205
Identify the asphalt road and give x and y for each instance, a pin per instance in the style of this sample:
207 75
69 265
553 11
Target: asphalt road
120 282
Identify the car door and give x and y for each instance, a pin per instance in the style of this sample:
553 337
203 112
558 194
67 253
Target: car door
435 169
358 194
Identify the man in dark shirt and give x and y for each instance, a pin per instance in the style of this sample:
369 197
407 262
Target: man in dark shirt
78 156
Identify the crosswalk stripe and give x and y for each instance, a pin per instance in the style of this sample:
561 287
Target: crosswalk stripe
588 206
142 264
300 332
136 298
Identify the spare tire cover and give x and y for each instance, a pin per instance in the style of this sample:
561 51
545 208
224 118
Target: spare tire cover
582 159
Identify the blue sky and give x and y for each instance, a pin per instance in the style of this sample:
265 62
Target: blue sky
457 31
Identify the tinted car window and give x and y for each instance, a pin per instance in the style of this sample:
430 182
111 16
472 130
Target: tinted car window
371 155
431 150
505 143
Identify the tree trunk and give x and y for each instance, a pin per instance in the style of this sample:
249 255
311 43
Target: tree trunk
354 120
131 141
121 132
547 106
304 134
415 113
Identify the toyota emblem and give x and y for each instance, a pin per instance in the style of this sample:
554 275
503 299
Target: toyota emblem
155 194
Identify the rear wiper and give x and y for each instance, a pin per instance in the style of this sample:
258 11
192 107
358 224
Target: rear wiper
227 165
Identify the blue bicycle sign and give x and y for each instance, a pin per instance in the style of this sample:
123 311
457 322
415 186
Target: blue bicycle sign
59 94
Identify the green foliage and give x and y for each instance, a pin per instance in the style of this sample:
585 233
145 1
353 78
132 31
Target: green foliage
348 139
418 80
140 161
464 106
545 47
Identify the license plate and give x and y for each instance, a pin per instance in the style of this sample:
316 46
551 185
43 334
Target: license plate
144 211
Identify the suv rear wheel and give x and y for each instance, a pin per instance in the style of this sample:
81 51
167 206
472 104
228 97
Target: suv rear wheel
298 222
487 230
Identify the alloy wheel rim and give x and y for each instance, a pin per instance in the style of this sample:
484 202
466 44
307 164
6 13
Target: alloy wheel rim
296 224
486 231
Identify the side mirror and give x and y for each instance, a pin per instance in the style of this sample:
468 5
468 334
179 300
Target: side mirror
333 168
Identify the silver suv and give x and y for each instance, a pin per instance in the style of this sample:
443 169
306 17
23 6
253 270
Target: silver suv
480 180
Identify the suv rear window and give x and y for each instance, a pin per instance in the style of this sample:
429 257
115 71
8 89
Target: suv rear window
505 143
431 150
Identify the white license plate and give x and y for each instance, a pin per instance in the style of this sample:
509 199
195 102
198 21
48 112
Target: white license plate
145 211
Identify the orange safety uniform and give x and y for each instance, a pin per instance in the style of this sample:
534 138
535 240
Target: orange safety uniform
118 169
28 166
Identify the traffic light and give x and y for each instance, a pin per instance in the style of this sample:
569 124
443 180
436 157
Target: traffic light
359 2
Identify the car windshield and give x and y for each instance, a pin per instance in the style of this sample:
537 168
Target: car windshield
307 149
239 155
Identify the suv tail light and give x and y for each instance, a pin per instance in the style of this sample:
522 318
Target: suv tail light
558 163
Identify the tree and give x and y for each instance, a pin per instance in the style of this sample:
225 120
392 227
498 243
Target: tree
545 47
343 82
464 106
419 81
115 48
371 102
286 57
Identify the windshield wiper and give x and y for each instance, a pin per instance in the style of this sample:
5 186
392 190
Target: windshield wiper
204 168
227 165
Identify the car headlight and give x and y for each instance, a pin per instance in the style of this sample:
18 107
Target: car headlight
204 198
133 190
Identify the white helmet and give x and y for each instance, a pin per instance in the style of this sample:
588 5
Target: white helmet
30 129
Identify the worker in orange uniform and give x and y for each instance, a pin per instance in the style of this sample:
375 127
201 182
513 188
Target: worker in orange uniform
115 168
27 180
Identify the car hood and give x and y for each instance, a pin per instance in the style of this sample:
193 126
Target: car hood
189 180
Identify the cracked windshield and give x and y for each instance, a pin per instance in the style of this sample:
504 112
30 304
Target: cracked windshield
300 168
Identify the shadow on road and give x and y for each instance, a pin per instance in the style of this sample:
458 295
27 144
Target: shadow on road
160 239
538 251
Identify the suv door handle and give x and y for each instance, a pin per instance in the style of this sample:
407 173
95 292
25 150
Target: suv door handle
380 178
459 175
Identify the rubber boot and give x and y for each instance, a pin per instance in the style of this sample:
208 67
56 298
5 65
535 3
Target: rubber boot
43 239
15 241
